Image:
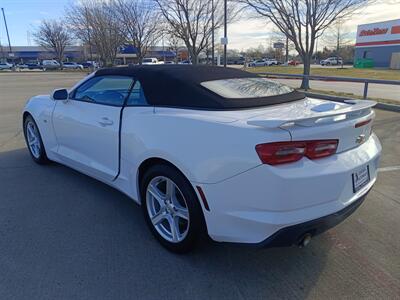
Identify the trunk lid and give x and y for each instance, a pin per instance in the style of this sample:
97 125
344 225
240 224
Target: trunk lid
313 119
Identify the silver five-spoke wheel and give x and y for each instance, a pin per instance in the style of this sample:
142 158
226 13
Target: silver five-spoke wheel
33 139
167 209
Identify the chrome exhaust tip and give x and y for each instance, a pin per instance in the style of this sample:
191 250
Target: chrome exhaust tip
305 240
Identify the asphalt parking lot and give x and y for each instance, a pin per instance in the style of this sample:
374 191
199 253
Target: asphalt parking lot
64 235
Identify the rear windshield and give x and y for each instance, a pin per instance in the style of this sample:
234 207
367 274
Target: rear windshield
241 88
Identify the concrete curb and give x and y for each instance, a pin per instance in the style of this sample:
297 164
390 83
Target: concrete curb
379 105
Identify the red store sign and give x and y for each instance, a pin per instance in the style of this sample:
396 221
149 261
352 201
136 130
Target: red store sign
375 31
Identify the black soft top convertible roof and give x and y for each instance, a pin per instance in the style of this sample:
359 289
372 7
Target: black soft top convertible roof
179 86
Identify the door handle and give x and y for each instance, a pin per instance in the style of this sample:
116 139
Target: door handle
106 122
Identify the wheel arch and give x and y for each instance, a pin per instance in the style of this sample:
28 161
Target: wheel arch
40 109
25 115
152 161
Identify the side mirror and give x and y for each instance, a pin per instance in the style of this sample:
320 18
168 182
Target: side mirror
61 94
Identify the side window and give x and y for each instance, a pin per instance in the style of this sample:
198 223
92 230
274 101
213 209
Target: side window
109 90
137 96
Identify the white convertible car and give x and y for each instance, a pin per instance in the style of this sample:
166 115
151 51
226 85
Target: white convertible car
212 150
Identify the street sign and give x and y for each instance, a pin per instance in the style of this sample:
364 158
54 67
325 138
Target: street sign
224 41
10 54
279 45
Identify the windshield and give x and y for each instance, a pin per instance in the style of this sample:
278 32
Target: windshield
240 88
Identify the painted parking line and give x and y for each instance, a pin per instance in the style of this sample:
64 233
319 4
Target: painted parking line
388 169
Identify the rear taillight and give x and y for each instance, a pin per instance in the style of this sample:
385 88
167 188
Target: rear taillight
287 152
318 149
281 152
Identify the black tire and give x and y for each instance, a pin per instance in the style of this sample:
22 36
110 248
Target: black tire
197 228
41 159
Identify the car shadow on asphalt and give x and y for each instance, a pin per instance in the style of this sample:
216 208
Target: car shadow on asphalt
64 235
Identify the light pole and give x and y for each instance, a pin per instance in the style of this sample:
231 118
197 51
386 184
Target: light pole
212 33
2 51
287 49
163 48
225 31
89 34
10 54
5 24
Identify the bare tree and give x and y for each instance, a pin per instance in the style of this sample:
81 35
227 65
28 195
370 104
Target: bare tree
95 23
141 22
190 20
79 19
53 36
174 44
303 21
337 35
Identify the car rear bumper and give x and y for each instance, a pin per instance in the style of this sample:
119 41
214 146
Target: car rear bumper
265 201
293 235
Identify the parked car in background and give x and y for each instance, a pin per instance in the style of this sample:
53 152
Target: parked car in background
22 66
272 62
264 62
258 63
90 64
50 64
332 61
293 62
239 60
169 62
34 65
72 65
6 66
151 61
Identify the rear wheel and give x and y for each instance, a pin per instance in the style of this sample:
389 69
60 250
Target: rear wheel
34 141
171 208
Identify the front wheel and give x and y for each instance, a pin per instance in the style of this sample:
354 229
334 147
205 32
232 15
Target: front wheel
171 208
34 141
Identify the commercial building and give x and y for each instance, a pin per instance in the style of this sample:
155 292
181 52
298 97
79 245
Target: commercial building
379 42
126 54
31 53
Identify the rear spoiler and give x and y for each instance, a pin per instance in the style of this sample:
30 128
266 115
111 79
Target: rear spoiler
357 108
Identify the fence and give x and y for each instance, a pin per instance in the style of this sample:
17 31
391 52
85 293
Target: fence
366 81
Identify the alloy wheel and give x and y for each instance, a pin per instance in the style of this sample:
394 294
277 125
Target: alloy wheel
33 138
167 209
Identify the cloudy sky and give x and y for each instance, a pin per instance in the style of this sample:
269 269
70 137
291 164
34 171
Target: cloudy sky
251 33
24 15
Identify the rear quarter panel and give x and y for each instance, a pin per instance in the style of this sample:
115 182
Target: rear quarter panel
203 148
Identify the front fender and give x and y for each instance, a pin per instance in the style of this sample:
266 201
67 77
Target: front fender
41 109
